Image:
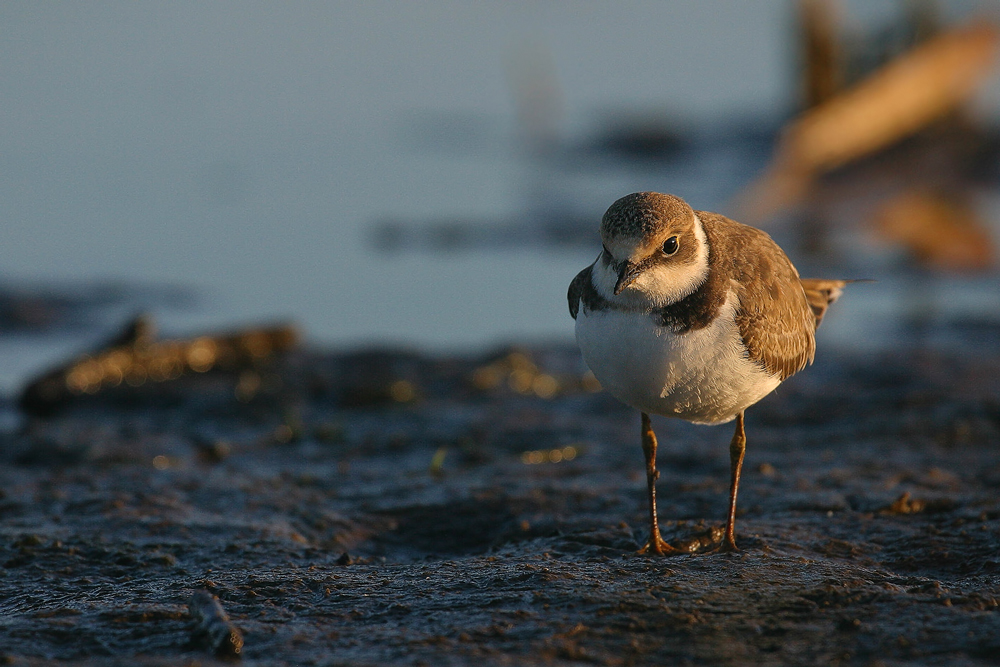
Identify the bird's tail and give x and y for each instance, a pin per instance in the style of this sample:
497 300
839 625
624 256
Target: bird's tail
821 293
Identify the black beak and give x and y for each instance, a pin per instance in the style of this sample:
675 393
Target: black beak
627 273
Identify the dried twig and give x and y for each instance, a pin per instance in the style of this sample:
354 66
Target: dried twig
213 630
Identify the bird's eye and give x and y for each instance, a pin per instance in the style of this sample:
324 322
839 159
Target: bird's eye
670 246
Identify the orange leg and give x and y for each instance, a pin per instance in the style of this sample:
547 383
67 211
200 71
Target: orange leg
737 448
656 545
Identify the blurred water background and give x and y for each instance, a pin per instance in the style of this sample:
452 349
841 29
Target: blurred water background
421 174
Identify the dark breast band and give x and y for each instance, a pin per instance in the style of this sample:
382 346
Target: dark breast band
693 312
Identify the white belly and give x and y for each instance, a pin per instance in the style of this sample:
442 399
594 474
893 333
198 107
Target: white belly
702 376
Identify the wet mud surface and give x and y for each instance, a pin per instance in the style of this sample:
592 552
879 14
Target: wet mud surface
387 508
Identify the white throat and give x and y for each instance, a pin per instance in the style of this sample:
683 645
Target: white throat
660 285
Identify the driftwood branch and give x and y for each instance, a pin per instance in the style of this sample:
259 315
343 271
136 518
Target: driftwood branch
134 357
900 99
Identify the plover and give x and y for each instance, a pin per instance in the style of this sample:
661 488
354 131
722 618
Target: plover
689 314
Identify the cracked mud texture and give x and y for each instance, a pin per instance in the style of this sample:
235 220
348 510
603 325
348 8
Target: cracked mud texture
388 508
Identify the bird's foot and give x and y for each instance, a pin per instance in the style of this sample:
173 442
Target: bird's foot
658 547
727 545
725 548
710 541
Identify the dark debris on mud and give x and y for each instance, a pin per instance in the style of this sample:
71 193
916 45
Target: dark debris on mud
389 508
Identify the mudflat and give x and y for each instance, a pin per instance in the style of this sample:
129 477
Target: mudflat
384 507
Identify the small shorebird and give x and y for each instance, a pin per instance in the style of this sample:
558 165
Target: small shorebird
689 314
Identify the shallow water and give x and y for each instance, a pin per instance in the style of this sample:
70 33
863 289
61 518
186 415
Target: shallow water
245 153
248 155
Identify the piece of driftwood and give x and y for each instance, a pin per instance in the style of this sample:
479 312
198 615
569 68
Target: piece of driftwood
134 357
213 631
940 232
822 52
897 100
903 97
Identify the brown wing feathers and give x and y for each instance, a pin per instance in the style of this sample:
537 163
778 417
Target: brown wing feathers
774 317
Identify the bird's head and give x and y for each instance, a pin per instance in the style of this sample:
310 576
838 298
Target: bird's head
655 251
